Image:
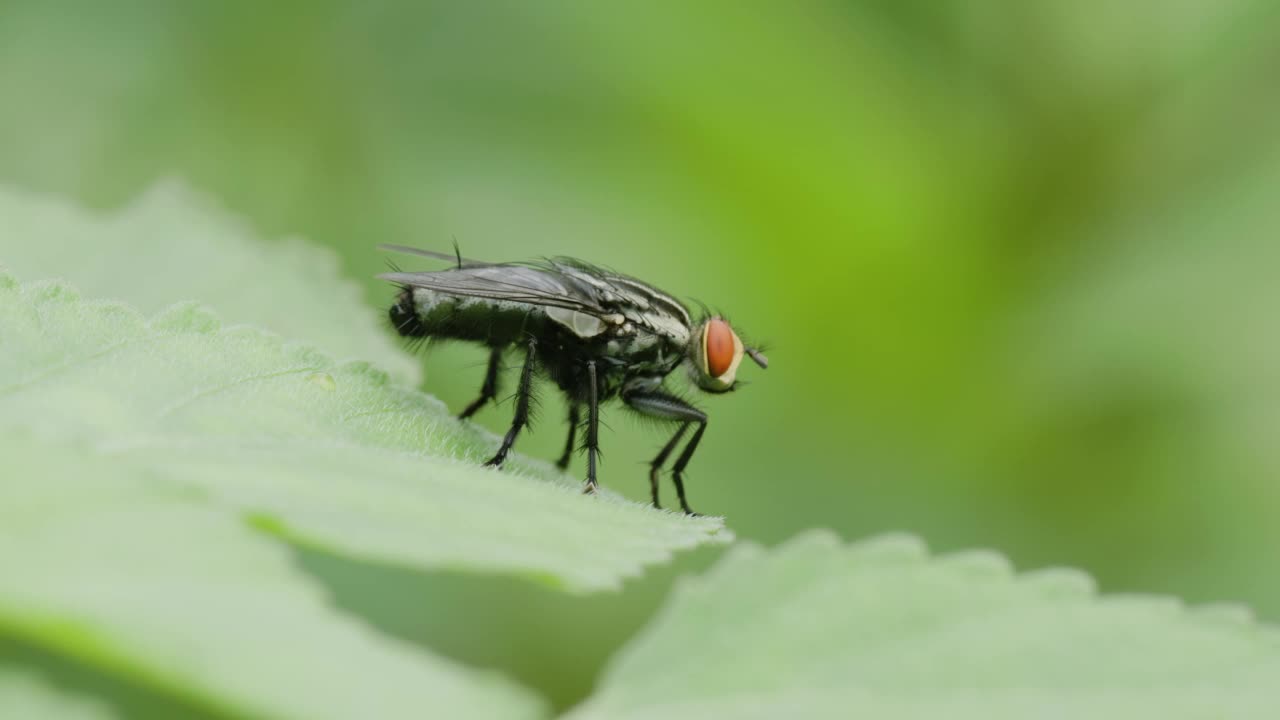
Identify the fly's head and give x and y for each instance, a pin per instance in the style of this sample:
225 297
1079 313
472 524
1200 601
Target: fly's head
716 354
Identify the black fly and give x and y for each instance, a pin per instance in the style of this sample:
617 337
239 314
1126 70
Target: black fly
595 333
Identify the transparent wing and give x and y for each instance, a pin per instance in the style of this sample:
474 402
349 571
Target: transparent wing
455 258
508 282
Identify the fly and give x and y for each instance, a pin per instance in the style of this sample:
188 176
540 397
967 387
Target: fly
595 333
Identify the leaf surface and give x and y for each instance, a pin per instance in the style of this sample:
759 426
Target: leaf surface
172 243
23 694
113 565
334 456
818 629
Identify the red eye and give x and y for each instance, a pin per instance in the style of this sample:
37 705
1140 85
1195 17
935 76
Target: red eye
719 346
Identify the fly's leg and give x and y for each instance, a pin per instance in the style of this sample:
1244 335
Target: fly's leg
677 472
655 467
593 427
522 406
574 418
669 407
490 388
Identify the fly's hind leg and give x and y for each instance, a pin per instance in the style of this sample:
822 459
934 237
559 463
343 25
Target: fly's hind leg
523 393
490 388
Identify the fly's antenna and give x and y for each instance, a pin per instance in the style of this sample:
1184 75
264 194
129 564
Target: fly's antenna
759 358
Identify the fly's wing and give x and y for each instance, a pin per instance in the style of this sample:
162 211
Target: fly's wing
455 258
542 287
582 297
637 300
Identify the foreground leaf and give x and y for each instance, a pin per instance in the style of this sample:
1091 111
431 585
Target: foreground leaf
817 629
24 695
111 565
175 244
331 456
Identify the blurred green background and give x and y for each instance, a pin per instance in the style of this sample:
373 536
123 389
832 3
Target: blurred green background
1017 263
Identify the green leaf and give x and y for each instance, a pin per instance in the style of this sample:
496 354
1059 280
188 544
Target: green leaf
157 465
818 629
112 565
25 695
175 244
329 455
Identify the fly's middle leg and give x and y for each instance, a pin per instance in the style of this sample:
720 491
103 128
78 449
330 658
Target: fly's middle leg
574 419
490 388
593 428
523 393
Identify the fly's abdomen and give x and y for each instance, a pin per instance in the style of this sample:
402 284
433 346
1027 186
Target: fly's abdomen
420 312
404 318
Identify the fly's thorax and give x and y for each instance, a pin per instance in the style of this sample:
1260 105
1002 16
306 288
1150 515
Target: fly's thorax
628 321
643 352
649 341
581 324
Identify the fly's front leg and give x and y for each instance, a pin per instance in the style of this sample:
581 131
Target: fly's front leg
677 472
522 406
655 467
574 419
490 388
593 428
658 404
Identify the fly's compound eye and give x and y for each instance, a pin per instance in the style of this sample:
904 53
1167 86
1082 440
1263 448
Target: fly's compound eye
719 353
718 347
